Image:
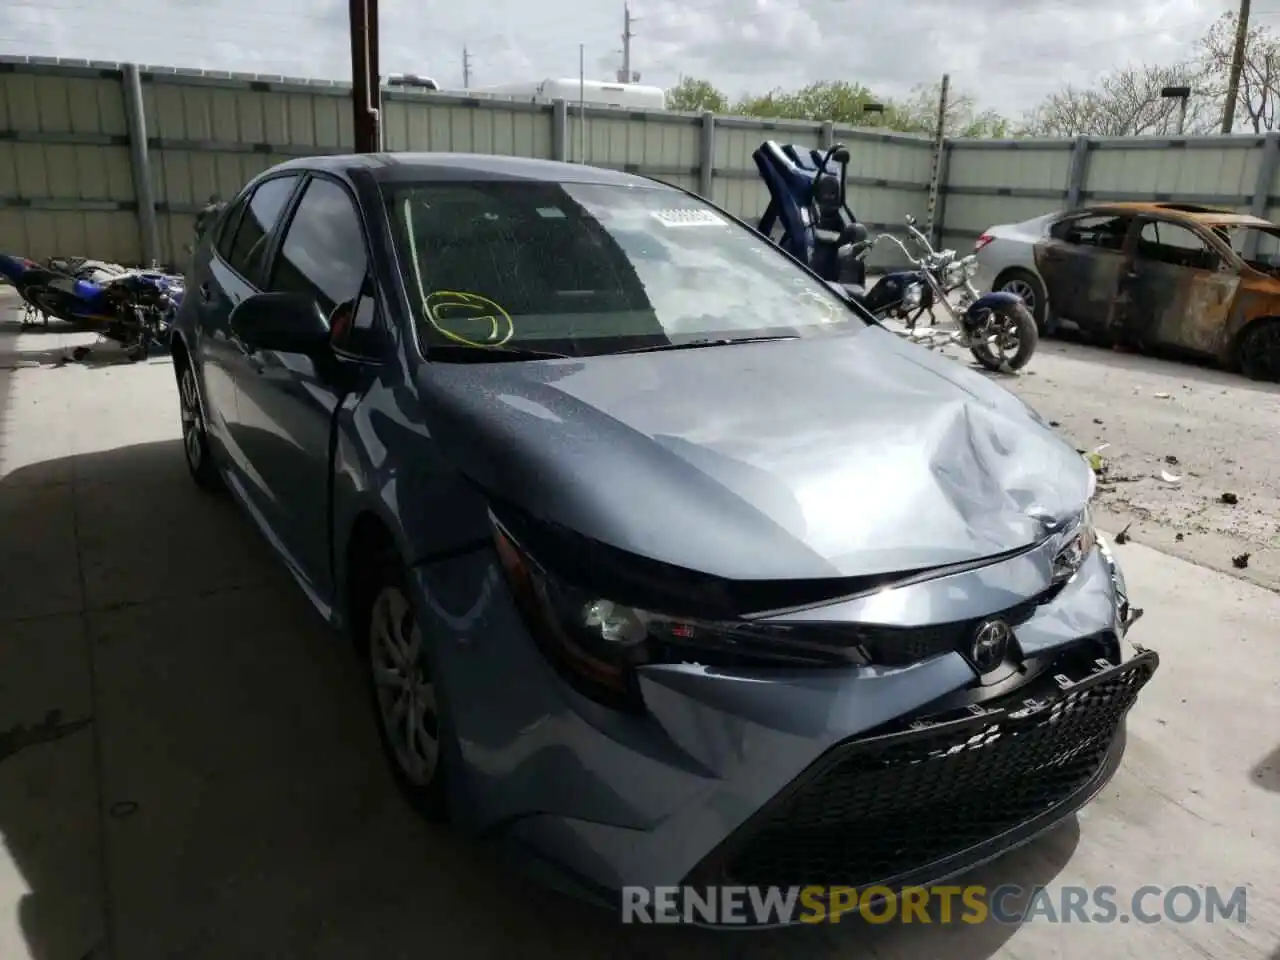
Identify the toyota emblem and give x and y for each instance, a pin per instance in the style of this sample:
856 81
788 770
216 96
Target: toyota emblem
990 644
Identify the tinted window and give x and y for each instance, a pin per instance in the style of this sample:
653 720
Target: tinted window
592 268
323 256
227 228
257 221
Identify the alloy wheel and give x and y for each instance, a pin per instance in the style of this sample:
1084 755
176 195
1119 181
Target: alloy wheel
192 419
1022 290
405 692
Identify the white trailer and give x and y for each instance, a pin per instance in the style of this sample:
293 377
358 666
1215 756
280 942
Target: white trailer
594 92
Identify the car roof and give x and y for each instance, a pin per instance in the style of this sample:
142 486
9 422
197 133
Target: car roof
456 166
1188 212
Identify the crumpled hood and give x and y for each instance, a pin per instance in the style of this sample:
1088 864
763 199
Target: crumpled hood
805 459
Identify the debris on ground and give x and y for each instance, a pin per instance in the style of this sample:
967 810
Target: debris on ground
1054 423
1123 536
1241 560
1163 396
1168 477
1229 498
1171 460
1097 421
1178 537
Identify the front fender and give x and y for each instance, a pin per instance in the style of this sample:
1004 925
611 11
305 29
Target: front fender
992 301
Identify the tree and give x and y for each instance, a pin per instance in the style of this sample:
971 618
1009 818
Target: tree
1259 90
1126 103
919 114
835 100
693 96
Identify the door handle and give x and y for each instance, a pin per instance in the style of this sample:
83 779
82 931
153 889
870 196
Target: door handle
206 294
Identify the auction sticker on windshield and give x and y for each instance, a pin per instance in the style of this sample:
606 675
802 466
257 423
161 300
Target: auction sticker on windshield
688 218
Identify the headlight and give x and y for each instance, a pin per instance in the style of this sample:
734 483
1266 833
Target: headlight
912 295
1078 543
596 644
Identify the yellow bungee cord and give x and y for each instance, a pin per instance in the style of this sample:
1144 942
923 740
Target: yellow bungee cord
462 304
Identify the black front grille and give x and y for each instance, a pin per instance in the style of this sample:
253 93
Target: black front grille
902 646
888 806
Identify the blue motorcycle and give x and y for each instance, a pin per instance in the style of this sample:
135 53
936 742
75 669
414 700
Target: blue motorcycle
809 217
132 307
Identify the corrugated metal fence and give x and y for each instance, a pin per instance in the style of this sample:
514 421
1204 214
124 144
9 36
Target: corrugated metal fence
88 149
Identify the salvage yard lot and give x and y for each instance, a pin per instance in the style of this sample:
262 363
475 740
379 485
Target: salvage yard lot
188 767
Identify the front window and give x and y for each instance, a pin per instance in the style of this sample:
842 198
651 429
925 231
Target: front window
587 269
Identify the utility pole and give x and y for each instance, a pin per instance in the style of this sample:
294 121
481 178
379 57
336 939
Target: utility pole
366 84
624 75
466 69
1237 65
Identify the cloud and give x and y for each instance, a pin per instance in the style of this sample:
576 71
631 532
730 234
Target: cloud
1008 53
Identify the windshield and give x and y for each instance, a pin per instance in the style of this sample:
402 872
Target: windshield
586 269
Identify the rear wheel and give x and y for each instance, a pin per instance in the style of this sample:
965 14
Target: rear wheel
195 441
1260 351
1026 286
1013 339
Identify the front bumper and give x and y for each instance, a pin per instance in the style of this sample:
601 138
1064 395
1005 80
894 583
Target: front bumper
887 775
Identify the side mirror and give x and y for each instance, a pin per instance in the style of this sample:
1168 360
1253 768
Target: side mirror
281 322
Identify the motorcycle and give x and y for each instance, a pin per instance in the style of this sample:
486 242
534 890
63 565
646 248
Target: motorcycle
808 202
131 307
997 328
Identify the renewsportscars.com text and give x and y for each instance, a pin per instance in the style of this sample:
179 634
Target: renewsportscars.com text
1009 904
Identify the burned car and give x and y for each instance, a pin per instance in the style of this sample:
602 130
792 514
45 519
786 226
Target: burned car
1149 276
664 563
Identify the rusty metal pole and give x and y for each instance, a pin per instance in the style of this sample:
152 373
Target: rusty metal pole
366 88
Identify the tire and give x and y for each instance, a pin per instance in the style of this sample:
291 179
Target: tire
195 441
1017 317
1259 351
399 676
1027 286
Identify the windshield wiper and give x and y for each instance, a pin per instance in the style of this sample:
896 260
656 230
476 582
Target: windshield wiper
693 344
459 353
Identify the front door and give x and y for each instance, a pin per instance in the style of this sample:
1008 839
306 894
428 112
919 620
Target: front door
1081 262
1178 289
286 403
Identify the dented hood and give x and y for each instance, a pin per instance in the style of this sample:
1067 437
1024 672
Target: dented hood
830 457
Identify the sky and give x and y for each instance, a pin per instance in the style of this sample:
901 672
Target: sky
1008 54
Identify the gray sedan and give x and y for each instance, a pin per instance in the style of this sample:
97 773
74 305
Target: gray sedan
664 563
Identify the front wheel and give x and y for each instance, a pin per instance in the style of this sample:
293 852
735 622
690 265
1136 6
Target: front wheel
1012 339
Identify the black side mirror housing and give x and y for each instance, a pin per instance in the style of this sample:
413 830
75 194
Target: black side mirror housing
281 322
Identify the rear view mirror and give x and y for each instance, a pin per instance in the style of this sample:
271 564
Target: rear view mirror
281 322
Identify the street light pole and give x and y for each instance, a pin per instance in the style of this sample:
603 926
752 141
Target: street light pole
1182 95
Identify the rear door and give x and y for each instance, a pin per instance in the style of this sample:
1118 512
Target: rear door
1178 288
1081 261
230 274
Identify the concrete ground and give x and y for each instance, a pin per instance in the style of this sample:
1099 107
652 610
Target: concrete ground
190 770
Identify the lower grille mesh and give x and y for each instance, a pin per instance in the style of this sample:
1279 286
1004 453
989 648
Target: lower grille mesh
886 806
